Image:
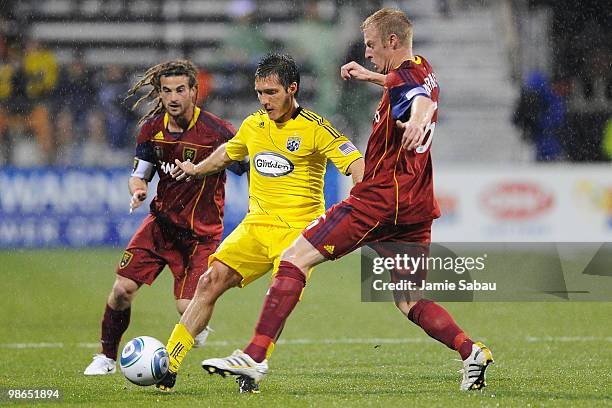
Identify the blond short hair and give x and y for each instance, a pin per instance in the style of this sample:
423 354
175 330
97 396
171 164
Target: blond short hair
391 21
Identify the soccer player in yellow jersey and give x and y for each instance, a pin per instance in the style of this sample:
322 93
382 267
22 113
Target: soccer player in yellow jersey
288 148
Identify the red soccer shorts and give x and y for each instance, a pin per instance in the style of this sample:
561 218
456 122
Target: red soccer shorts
342 229
157 244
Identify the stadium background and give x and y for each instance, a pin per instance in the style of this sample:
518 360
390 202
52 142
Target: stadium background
521 153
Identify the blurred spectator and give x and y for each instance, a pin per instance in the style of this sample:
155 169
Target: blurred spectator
244 44
119 120
313 40
353 103
205 86
72 104
541 115
607 140
41 68
444 8
25 90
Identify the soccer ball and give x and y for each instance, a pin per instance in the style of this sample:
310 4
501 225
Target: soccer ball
144 360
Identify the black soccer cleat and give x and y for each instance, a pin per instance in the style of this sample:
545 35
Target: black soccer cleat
167 382
246 385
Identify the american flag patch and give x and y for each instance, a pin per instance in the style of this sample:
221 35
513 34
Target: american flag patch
347 148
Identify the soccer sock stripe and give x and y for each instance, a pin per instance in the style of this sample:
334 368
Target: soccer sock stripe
179 343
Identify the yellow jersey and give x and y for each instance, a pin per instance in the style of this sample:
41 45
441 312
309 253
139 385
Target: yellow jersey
287 163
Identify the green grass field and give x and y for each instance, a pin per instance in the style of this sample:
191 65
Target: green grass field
338 351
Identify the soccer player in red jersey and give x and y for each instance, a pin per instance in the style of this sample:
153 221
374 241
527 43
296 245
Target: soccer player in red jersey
185 222
394 203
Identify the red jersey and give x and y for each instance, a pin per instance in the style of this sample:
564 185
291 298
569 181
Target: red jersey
397 185
196 205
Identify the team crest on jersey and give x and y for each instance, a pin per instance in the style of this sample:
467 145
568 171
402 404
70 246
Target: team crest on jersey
125 259
293 143
262 125
189 153
159 152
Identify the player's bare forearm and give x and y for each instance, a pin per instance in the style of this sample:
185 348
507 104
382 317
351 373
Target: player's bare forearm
353 70
413 131
357 169
422 111
376 78
137 184
214 163
138 190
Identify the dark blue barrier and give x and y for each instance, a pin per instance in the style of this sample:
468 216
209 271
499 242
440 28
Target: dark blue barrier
83 207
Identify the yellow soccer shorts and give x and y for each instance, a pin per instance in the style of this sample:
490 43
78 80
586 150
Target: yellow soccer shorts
252 250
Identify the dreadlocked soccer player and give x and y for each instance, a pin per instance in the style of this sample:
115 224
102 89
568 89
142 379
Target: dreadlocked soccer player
184 226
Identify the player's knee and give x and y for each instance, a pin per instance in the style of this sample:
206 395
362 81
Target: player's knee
216 280
123 292
292 255
181 305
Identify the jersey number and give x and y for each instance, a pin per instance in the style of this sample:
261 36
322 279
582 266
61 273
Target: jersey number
429 131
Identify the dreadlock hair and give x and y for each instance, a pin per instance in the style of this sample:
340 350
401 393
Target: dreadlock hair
153 78
282 65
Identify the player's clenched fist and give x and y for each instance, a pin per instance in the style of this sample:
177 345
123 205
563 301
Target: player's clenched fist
183 170
137 199
412 135
353 70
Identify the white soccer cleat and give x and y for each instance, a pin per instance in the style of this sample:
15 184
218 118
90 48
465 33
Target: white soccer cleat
200 339
474 367
239 363
101 365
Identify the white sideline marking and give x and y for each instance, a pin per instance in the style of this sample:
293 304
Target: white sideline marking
31 345
299 342
565 339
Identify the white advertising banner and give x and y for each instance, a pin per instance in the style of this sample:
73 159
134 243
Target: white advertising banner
533 203
554 203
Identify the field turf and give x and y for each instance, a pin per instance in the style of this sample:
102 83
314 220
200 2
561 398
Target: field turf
337 352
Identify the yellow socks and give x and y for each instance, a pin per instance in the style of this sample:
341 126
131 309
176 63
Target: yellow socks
179 343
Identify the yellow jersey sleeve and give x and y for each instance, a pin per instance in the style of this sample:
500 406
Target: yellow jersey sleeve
336 147
236 147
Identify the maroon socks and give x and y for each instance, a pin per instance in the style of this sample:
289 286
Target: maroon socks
437 323
114 324
280 301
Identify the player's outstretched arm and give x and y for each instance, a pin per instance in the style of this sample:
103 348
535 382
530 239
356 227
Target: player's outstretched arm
138 189
353 70
422 110
357 169
214 163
